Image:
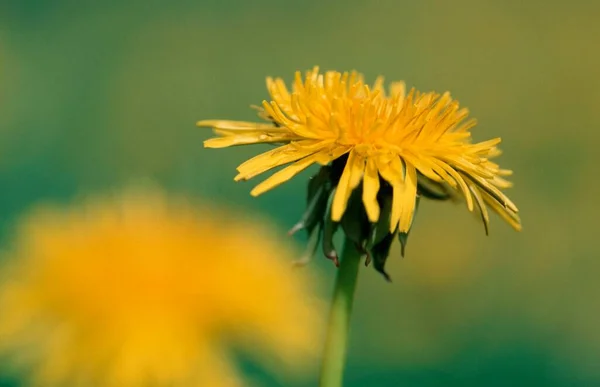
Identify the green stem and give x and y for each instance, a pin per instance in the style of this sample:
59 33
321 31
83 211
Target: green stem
336 343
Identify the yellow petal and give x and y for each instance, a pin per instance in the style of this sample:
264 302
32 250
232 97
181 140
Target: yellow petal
409 197
378 85
348 181
466 126
239 125
493 192
393 172
324 158
509 216
279 93
358 169
468 166
481 204
398 90
458 179
501 183
269 160
245 139
422 165
311 145
286 173
370 189
438 170
484 145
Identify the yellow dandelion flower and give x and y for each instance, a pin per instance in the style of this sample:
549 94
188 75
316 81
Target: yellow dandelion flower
138 290
385 149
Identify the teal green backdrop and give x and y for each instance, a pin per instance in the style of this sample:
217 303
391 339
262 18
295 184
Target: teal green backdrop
94 97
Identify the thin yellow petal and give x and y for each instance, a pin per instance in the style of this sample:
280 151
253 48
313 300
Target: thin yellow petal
422 165
485 217
485 145
378 85
239 125
285 174
494 192
458 179
501 183
312 145
370 189
398 90
466 126
393 172
494 152
509 216
461 163
408 199
268 160
334 153
354 167
245 139
279 92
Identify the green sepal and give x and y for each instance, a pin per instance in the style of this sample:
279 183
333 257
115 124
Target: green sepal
381 228
380 253
317 181
355 222
311 247
329 229
432 189
319 188
492 193
403 236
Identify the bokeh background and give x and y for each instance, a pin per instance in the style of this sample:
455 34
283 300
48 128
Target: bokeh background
96 96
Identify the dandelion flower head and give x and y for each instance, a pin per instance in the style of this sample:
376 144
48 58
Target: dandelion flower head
142 290
375 145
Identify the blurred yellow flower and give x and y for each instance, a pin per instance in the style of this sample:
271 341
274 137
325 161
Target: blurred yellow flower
138 290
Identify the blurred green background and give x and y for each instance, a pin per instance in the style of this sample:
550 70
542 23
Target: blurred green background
93 97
